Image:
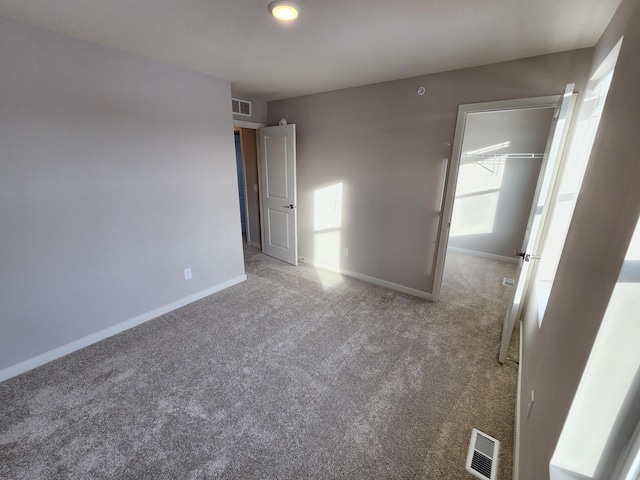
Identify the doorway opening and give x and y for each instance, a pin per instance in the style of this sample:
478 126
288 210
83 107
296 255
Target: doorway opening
266 166
248 185
561 119
241 187
498 152
502 153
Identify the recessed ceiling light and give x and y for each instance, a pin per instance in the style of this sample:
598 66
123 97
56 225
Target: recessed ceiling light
284 10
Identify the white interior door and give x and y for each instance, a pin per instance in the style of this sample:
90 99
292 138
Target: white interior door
539 209
277 156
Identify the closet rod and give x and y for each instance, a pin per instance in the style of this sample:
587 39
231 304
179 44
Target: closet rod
504 155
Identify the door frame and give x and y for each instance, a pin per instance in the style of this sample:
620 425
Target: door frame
453 167
244 182
245 124
238 125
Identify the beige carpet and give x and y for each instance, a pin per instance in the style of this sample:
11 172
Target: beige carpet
296 373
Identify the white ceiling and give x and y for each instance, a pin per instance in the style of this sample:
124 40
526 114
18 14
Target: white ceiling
333 44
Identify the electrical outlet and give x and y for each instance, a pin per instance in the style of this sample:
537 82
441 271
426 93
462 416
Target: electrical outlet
187 273
345 252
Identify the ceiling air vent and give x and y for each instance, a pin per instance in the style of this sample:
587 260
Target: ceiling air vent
482 459
241 107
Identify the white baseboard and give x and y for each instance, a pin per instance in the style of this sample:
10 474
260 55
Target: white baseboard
255 245
483 254
516 442
56 353
367 278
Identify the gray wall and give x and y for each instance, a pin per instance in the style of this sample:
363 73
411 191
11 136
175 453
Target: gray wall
388 147
116 173
603 222
526 131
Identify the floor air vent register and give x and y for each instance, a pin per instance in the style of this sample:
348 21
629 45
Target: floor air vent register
482 459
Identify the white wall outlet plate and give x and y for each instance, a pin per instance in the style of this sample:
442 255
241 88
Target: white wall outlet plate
187 273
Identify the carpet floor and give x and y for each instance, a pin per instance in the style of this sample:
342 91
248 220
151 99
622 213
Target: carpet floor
295 373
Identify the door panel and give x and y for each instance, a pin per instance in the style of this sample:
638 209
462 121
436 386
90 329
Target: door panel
276 168
277 147
539 209
278 229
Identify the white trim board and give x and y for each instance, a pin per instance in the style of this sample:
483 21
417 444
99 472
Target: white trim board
482 254
245 124
255 245
56 353
367 278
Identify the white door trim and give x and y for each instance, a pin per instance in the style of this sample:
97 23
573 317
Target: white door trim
451 179
245 124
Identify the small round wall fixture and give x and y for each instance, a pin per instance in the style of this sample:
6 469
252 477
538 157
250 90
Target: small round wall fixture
284 10
421 90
